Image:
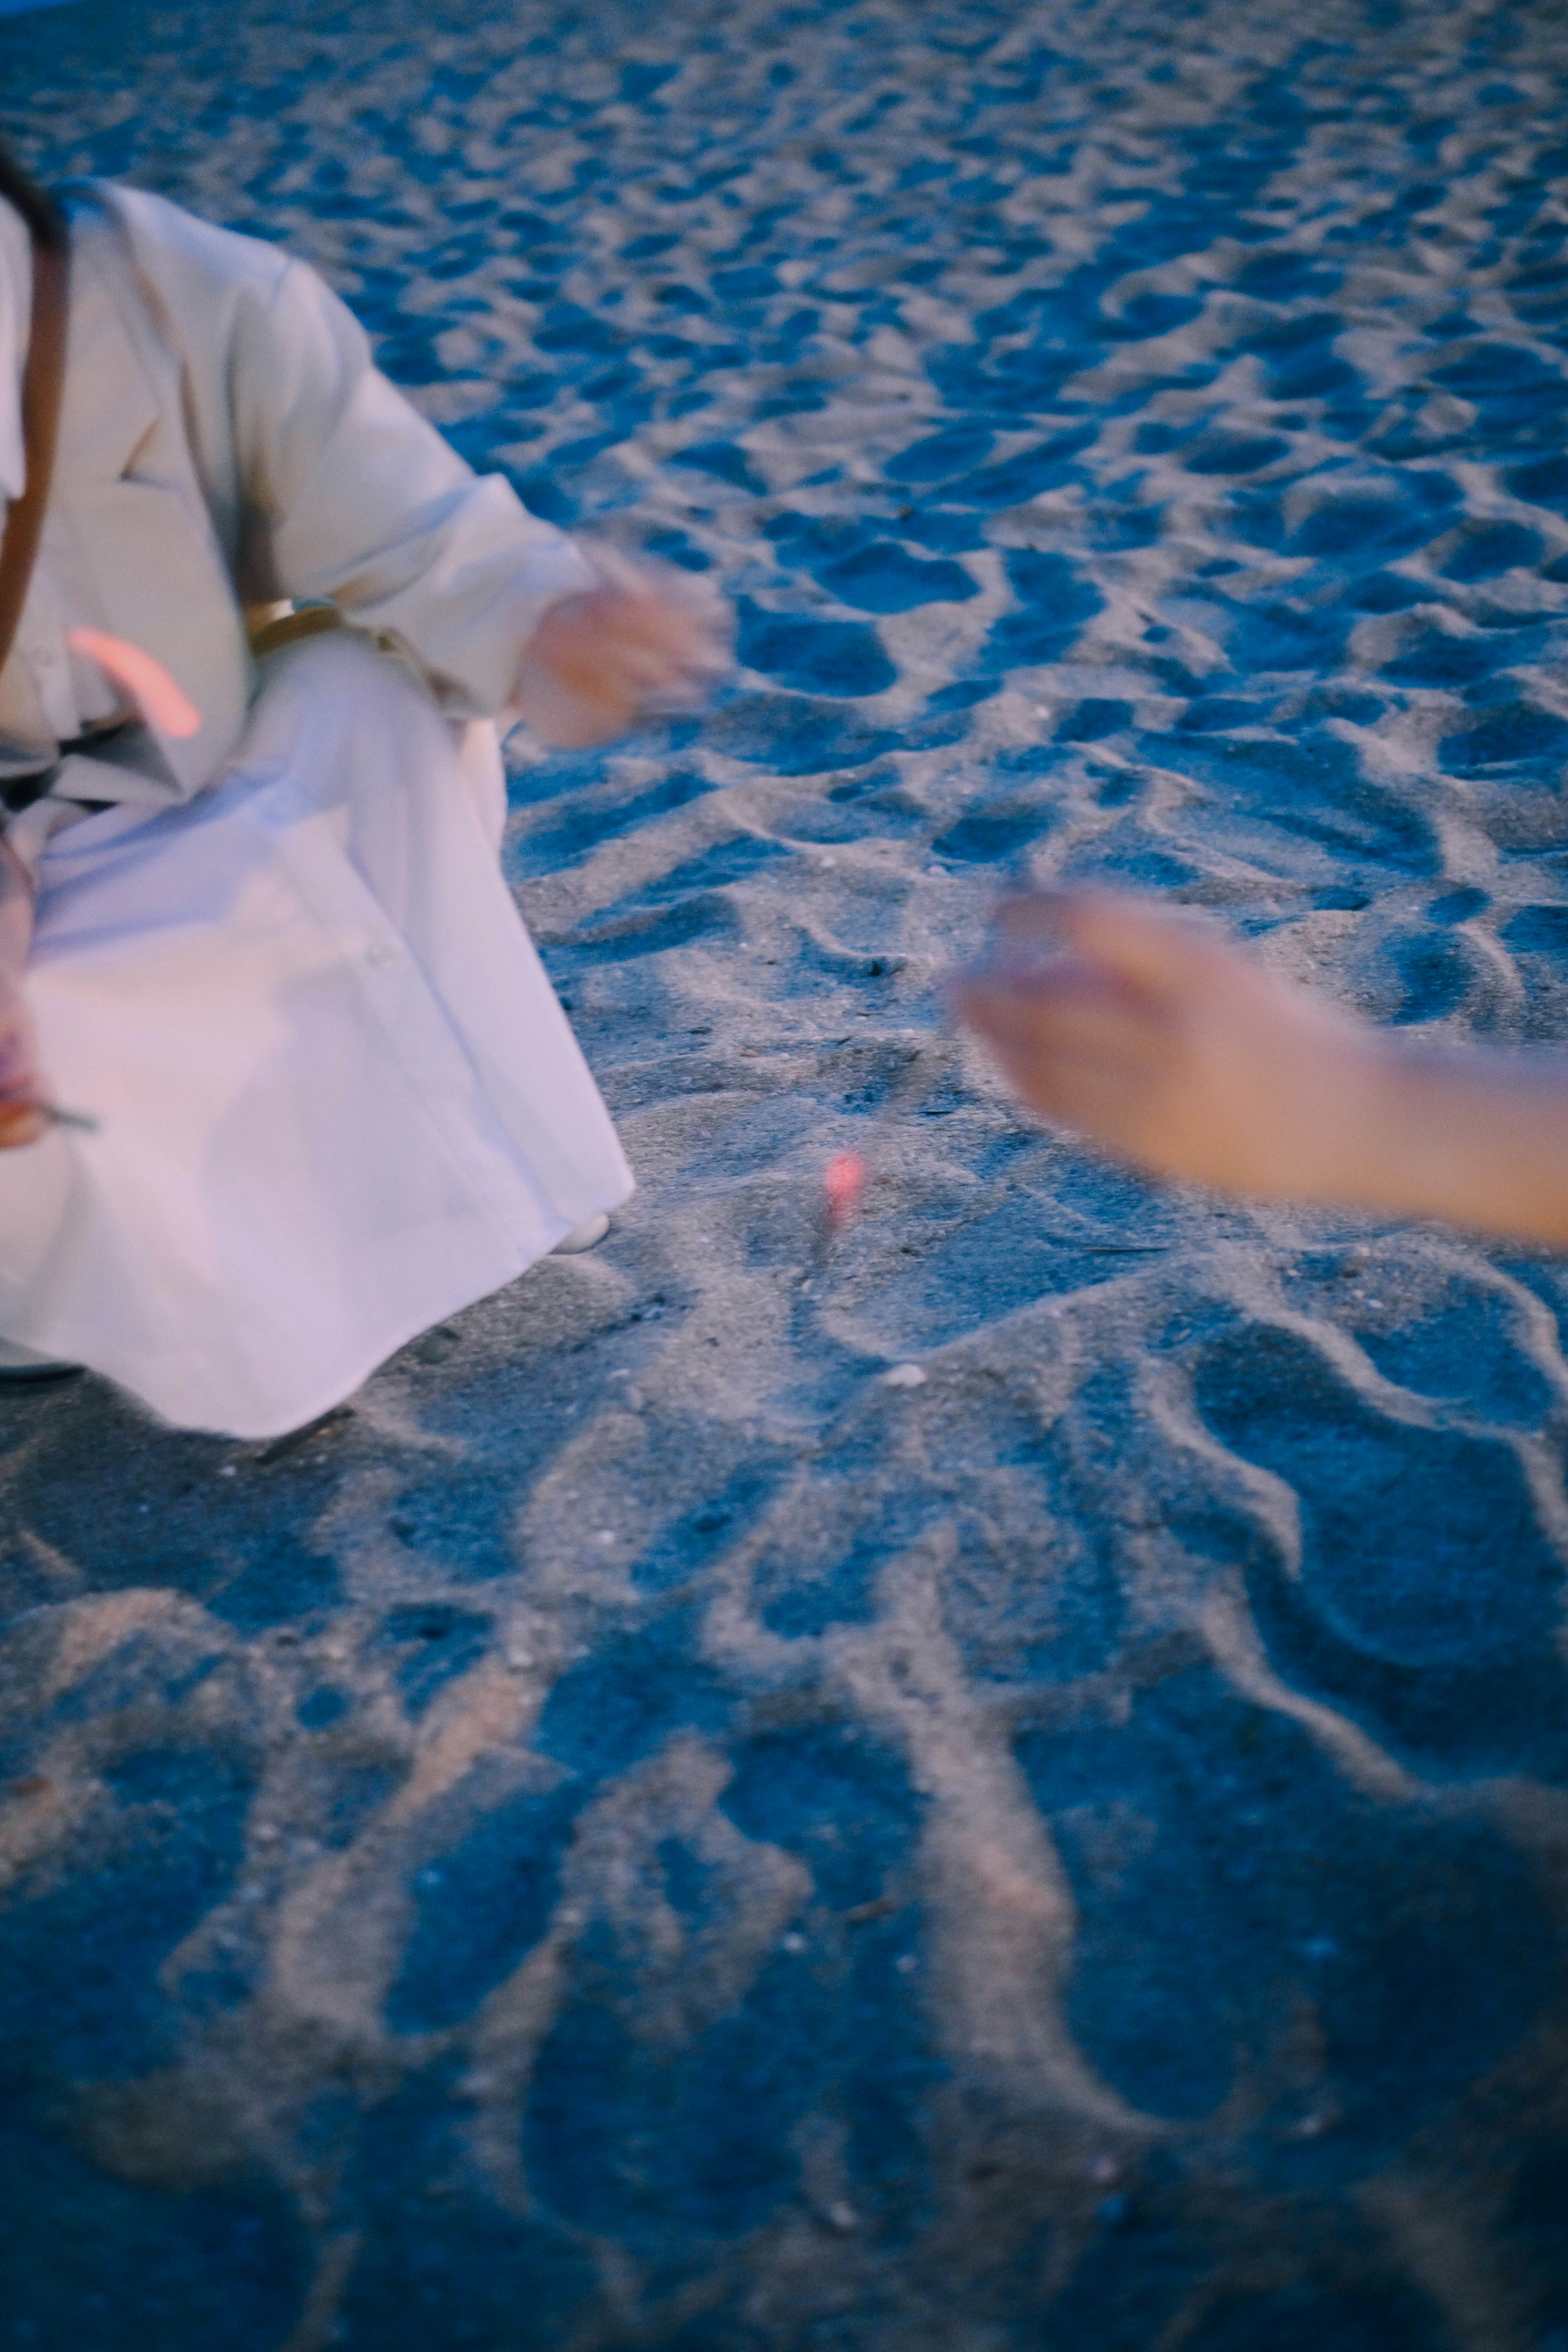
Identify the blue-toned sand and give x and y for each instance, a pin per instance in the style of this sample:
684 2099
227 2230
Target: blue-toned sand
643 1831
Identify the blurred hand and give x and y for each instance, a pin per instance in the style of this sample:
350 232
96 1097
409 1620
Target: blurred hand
647 641
1174 1051
19 1075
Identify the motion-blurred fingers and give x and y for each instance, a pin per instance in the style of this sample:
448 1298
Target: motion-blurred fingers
1026 922
1038 1026
20 1124
1079 1089
1146 946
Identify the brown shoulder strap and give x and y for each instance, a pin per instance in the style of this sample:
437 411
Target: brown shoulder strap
42 385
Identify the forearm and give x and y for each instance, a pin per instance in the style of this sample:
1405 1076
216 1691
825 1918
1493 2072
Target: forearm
1478 1140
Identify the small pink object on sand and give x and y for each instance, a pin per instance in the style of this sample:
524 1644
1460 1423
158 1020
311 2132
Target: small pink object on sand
147 682
843 1183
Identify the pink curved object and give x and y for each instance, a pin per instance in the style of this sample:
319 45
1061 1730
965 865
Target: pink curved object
843 1180
147 682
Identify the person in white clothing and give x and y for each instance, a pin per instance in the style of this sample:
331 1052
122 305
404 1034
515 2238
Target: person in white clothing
271 954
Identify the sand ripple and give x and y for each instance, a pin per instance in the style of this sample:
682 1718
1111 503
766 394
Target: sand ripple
644 1831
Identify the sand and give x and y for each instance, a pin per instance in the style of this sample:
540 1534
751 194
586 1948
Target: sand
996 1780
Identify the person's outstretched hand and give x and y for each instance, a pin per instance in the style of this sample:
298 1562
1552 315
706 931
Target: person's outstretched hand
20 1083
1169 1048
646 641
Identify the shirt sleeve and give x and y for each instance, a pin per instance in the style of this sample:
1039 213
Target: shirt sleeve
350 496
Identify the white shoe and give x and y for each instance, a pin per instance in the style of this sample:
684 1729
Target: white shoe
19 1364
581 1237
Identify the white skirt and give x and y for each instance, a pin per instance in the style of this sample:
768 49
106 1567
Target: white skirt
337 1097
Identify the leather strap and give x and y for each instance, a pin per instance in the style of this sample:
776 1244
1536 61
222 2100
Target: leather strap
42 385
307 622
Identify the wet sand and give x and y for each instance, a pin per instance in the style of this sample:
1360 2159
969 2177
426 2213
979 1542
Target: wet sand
1000 1779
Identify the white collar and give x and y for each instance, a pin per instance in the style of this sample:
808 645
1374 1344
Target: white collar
16 317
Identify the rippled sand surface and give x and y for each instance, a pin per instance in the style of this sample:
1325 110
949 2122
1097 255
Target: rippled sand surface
644 1829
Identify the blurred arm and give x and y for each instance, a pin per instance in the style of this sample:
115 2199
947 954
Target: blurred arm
1182 1055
